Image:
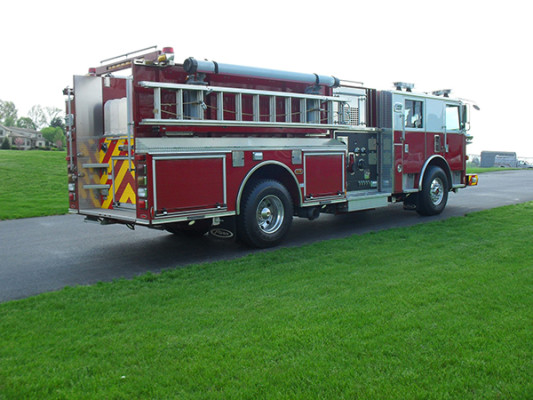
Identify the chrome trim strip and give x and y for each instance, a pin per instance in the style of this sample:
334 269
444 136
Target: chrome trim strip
219 145
129 102
264 124
323 201
154 184
188 216
173 218
113 181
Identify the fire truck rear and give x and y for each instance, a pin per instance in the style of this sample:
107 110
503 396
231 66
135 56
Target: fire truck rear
208 147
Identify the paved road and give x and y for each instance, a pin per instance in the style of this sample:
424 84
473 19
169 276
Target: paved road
45 254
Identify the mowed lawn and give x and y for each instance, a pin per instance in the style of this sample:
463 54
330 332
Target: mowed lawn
435 311
33 183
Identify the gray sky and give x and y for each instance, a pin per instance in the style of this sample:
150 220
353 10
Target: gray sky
478 49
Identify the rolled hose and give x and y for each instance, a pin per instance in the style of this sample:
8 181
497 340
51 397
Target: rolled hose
192 66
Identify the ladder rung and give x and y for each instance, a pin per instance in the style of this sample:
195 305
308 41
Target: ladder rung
220 106
179 104
330 109
238 107
272 109
256 109
288 110
303 112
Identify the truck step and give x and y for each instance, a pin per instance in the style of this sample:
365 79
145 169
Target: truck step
96 186
95 165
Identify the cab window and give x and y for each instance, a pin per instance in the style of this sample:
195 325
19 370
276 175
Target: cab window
452 118
414 114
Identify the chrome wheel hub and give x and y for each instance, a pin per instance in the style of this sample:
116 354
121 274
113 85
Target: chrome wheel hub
436 191
270 214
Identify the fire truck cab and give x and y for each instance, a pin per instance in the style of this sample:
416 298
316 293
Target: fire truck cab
203 146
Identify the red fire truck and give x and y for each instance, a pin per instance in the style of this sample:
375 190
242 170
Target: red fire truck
205 147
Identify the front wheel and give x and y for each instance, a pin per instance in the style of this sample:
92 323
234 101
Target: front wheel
434 194
266 214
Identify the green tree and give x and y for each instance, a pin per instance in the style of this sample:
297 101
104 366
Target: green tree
8 113
5 144
25 122
58 122
55 136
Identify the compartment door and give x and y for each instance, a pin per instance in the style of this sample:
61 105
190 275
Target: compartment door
189 184
324 175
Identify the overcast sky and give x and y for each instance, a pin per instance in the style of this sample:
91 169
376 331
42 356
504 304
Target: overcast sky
480 49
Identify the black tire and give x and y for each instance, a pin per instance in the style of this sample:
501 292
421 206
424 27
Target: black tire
198 229
434 194
266 214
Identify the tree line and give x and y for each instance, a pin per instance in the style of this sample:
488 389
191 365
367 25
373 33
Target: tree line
48 120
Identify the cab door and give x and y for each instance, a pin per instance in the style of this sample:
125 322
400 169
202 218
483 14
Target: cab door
454 137
409 140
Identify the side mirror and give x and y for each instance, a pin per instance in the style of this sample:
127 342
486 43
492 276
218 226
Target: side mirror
464 116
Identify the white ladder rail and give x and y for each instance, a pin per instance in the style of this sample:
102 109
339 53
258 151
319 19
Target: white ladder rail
310 110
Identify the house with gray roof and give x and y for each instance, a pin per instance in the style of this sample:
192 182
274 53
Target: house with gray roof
24 139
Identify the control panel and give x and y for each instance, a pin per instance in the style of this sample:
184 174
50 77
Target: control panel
361 160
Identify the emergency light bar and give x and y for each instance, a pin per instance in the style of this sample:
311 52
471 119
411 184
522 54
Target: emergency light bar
404 85
443 92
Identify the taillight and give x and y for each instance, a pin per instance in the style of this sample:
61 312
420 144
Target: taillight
71 189
142 192
72 178
142 181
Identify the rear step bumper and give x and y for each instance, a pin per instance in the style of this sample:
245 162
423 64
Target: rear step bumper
124 216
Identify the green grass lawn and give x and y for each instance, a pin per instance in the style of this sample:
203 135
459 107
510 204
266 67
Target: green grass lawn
479 170
34 183
436 311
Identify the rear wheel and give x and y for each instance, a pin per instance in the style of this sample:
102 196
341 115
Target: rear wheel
266 214
434 194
